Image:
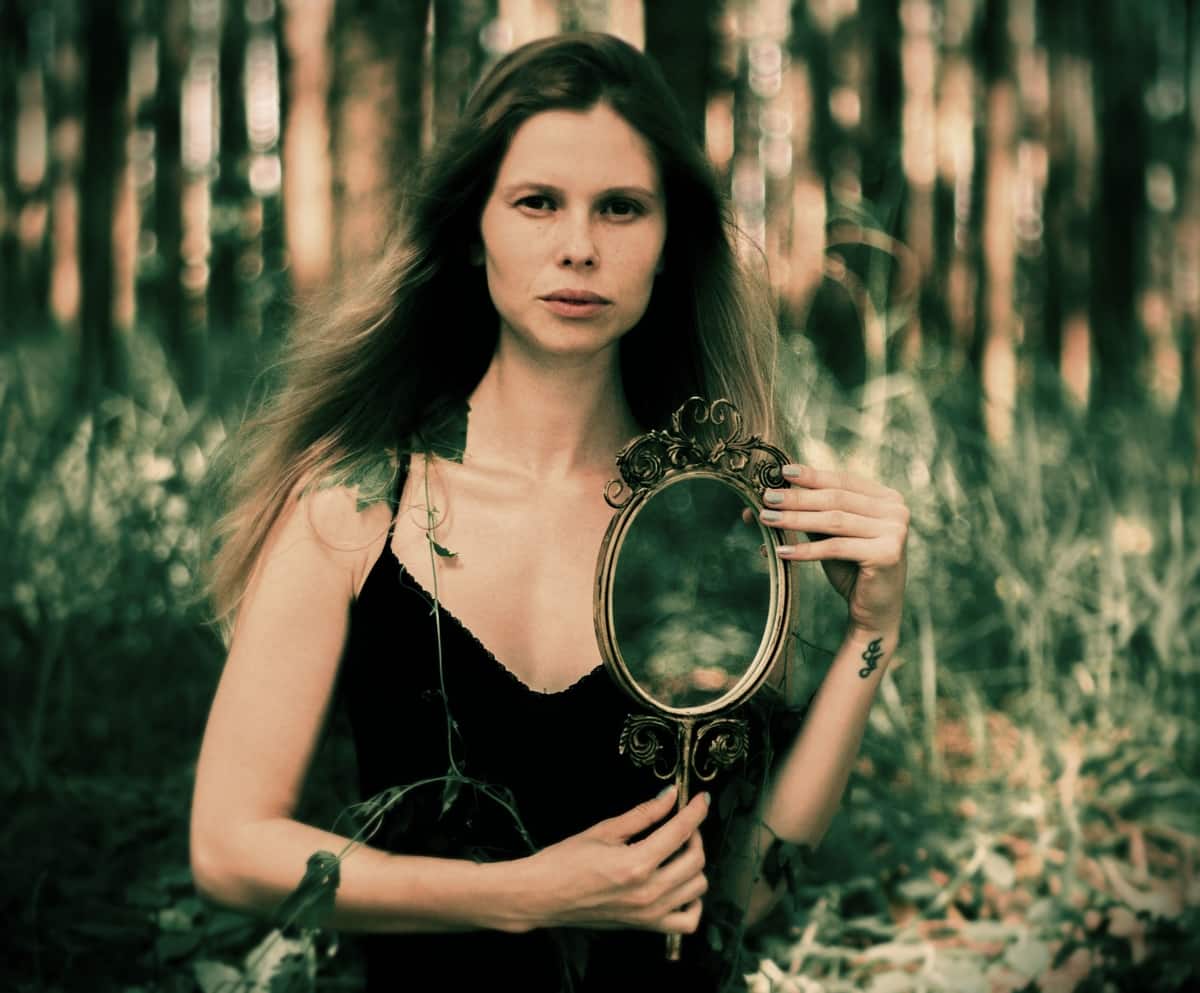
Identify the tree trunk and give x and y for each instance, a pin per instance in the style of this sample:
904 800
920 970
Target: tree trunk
998 362
831 321
679 36
378 108
1070 191
105 129
402 27
12 295
1118 229
168 182
26 105
231 190
457 56
307 167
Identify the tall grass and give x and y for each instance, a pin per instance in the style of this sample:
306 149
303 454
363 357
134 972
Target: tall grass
1059 575
1026 813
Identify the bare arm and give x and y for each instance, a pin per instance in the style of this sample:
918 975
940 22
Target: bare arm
860 530
249 851
809 780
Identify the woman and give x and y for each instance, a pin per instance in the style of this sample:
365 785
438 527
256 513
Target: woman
565 273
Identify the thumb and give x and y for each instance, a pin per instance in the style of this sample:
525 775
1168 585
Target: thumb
637 819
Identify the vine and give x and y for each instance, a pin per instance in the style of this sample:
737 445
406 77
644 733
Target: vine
309 906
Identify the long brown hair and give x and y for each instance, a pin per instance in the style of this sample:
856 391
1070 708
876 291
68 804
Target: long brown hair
364 374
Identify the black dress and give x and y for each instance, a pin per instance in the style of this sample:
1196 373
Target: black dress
551 758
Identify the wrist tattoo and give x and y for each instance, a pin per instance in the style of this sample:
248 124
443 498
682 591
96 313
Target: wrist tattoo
871 656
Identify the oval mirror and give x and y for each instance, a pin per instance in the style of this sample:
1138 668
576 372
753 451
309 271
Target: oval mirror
690 612
691 603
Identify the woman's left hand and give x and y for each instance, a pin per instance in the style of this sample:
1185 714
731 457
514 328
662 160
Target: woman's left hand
858 529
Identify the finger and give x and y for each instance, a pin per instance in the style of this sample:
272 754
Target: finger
638 819
807 476
748 516
799 498
828 522
673 835
681 896
876 552
680 881
683 866
683 921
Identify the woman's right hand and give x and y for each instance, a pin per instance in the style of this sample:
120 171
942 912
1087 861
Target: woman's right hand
601 878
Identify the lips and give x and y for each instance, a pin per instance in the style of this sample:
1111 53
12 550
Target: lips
575 304
576 296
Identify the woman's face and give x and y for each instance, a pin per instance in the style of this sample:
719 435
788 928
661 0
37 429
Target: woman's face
573 232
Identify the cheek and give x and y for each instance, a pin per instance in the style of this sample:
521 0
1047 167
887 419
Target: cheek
511 257
652 252
640 262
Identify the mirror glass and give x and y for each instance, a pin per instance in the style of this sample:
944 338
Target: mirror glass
691 592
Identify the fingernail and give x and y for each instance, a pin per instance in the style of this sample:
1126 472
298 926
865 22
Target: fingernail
770 516
773 497
792 471
784 549
666 791
707 797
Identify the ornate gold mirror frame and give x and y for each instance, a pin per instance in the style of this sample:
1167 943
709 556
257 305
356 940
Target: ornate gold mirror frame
705 440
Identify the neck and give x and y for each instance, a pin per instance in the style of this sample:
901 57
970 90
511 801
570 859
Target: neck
549 419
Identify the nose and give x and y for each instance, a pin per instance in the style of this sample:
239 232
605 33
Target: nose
578 248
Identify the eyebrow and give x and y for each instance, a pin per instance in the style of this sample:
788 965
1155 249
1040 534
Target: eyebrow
630 191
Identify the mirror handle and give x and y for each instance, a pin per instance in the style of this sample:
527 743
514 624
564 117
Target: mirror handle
683 767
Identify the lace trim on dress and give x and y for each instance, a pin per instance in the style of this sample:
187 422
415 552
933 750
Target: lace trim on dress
409 579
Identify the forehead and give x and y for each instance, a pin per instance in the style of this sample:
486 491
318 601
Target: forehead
595 147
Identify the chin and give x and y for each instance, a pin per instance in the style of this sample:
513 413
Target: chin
569 340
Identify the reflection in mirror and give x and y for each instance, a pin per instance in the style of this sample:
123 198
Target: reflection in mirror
692 592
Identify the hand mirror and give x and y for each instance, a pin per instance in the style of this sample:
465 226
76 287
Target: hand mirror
690 614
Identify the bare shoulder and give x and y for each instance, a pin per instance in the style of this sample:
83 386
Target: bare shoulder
328 528
284 652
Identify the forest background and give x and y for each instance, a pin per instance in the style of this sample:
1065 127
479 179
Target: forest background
982 225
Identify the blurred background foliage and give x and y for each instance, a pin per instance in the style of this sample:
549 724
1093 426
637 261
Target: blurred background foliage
982 225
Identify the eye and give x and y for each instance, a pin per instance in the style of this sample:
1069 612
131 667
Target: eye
536 202
623 208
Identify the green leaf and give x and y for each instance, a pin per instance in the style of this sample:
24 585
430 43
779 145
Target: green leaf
442 550
957 972
897 952
1043 911
450 794
989 930
896 981
716 940
176 919
310 903
142 894
443 431
277 955
372 476
1028 956
216 977
918 890
999 870
228 927
172 945
292 973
